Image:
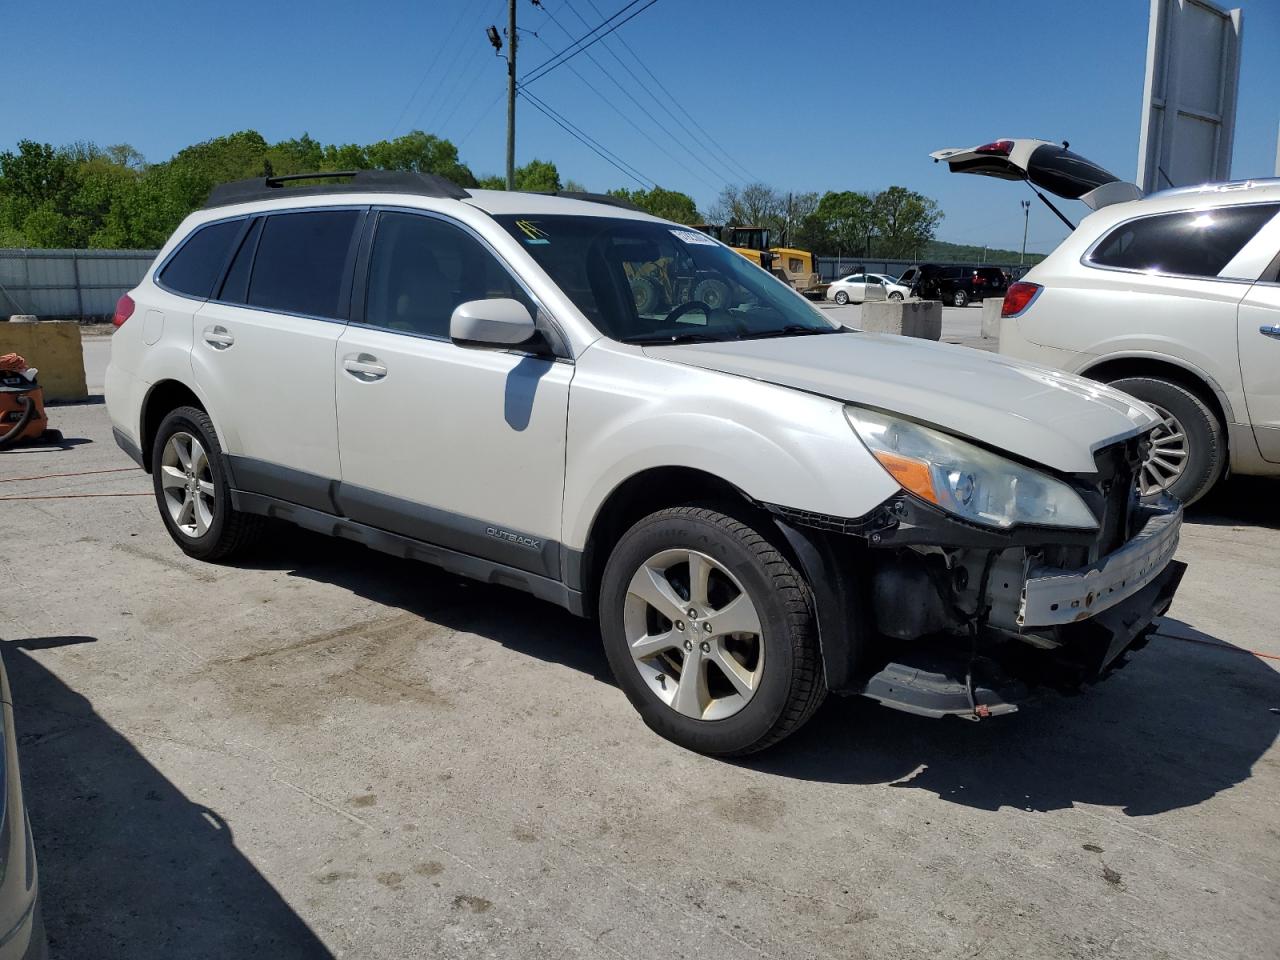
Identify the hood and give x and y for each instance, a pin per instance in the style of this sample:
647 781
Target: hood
1050 166
1041 415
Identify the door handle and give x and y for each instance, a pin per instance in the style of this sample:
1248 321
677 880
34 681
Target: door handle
218 338
364 367
1270 330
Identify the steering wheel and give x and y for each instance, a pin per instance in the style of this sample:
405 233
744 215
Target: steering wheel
687 307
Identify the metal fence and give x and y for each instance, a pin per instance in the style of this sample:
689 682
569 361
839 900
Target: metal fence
833 268
70 284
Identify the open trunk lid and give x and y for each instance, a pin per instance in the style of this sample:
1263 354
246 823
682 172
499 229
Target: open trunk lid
1049 166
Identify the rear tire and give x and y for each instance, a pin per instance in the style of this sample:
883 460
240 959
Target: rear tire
192 489
714 293
647 294
960 299
658 658
1189 450
841 297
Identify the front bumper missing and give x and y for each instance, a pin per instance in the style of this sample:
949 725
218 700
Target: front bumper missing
1053 597
1088 617
937 679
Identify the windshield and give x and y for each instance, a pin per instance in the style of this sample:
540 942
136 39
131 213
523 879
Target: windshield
641 281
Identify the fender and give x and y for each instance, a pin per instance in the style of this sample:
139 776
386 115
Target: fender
629 413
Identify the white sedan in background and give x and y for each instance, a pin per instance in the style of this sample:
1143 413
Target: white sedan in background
860 287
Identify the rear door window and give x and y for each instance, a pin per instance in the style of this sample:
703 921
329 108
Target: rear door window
302 264
1193 243
198 264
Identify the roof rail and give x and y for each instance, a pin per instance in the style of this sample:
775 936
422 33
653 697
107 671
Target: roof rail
361 181
605 198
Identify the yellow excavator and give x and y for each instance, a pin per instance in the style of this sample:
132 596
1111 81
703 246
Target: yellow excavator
794 267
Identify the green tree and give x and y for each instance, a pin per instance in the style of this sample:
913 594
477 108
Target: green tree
849 218
668 204
904 222
539 176
37 187
422 152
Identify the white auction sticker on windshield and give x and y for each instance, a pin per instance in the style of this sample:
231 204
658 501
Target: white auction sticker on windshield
693 236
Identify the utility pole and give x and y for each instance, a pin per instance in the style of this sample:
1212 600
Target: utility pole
1026 217
511 94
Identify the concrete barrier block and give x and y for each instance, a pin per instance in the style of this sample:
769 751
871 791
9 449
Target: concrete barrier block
53 348
991 317
905 318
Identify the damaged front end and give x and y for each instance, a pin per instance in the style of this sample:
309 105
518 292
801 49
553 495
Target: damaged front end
937 616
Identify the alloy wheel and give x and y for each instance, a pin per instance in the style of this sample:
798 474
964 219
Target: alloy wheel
694 634
186 478
1167 459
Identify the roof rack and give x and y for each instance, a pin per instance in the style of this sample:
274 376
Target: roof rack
361 181
604 198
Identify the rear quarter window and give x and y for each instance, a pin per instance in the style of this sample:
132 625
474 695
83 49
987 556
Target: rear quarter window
301 264
198 264
1194 243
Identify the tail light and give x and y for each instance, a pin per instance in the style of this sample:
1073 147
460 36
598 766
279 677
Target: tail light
1018 297
979 279
999 147
124 310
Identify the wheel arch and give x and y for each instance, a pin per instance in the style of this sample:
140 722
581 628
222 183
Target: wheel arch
1185 375
162 397
643 493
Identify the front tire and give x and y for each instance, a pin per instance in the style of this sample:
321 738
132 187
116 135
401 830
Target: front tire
1188 449
192 489
895 296
710 632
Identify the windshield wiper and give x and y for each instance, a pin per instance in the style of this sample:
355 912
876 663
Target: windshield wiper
790 330
675 338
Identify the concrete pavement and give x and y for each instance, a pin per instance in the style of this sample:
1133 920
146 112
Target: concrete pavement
323 751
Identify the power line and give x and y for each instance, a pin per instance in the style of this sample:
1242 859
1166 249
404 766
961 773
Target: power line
543 69
479 117
622 113
431 65
459 49
588 141
457 102
709 142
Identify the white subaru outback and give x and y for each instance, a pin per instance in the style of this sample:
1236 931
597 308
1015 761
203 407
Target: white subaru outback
758 505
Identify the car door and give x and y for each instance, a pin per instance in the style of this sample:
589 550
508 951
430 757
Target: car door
264 348
1258 329
455 446
872 288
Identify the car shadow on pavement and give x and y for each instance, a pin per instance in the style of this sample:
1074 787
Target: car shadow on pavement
1244 501
1179 723
1187 717
129 865
514 619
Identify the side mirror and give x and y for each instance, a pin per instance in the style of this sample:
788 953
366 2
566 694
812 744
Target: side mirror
491 323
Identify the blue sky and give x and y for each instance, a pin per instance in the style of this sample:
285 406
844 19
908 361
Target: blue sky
854 98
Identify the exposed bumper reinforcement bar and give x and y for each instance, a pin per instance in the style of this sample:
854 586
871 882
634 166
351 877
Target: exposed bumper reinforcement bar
1056 597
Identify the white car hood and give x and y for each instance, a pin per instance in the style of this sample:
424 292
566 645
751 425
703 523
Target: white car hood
1048 417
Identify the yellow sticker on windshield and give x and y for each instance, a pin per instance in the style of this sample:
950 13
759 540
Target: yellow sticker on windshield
532 232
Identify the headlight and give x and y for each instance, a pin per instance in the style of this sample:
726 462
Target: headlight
965 479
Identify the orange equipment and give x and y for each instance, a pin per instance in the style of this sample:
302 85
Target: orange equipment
22 415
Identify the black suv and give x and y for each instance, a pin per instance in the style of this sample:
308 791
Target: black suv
958 286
